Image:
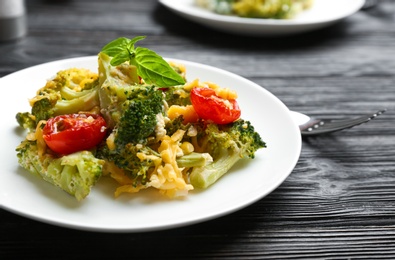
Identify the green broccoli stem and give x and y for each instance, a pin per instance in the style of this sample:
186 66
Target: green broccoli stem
68 93
82 103
194 160
203 177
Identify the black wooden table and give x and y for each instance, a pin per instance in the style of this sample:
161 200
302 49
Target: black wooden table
339 201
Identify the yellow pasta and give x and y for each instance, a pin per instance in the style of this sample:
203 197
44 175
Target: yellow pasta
188 112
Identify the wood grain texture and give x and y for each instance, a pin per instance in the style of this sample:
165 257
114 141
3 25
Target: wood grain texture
339 201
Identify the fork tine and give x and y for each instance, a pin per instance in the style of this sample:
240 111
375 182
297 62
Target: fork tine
327 126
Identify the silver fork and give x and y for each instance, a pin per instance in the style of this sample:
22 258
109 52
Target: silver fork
313 126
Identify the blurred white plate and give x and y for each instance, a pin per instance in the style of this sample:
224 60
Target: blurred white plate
249 181
322 14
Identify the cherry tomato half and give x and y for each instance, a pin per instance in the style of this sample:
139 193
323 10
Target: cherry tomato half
209 106
67 134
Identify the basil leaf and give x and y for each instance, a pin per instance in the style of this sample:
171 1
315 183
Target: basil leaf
116 46
134 40
155 70
151 67
120 58
121 49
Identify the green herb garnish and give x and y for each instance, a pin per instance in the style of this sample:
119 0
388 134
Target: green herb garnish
151 67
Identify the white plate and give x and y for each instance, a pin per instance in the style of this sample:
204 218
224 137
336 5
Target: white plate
28 195
322 14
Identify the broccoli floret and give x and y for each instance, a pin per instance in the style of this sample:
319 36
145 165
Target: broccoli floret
134 117
26 120
42 109
139 114
75 173
71 91
134 160
173 125
227 144
177 95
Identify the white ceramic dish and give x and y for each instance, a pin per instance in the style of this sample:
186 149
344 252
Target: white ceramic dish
323 13
29 196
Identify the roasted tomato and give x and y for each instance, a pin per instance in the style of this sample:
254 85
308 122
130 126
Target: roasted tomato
67 134
209 106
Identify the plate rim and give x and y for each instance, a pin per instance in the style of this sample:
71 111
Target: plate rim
254 26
